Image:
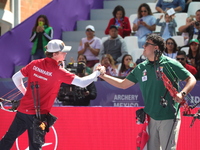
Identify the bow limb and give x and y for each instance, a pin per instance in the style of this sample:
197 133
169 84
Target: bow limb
8 110
12 109
173 92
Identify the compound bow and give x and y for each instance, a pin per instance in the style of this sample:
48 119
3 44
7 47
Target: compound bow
15 104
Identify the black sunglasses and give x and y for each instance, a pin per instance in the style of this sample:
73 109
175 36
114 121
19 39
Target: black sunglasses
88 30
180 58
170 43
146 44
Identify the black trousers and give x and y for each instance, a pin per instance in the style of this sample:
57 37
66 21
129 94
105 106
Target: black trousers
20 124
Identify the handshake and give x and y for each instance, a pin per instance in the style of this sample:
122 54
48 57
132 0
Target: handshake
101 69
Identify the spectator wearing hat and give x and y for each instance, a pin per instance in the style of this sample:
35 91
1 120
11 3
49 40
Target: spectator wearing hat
144 24
193 56
90 46
114 45
193 27
121 21
182 58
48 75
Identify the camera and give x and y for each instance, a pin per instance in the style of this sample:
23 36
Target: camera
197 23
70 94
76 68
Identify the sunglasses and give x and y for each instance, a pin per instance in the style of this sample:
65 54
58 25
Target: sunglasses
89 30
146 44
170 43
180 58
143 11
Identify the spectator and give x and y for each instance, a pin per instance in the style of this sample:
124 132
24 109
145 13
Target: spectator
114 45
193 28
121 21
182 58
193 56
163 5
109 64
83 58
42 33
90 46
144 24
126 66
167 27
171 48
186 34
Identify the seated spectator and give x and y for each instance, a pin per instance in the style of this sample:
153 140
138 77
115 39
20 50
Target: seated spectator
114 45
171 48
182 58
108 62
121 21
90 46
163 5
144 24
193 56
193 28
126 66
168 27
186 34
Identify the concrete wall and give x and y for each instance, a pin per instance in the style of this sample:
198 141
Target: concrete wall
29 7
5 4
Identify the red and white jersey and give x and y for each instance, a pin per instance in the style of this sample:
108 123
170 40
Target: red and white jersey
49 77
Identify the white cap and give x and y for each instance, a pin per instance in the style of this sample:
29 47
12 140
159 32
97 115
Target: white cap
57 46
90 27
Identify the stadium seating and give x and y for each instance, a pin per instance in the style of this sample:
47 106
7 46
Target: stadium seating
153 7
131 19
131 43
179 40
193 7
180 19
186 49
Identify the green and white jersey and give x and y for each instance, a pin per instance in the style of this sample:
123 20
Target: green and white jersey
153 89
